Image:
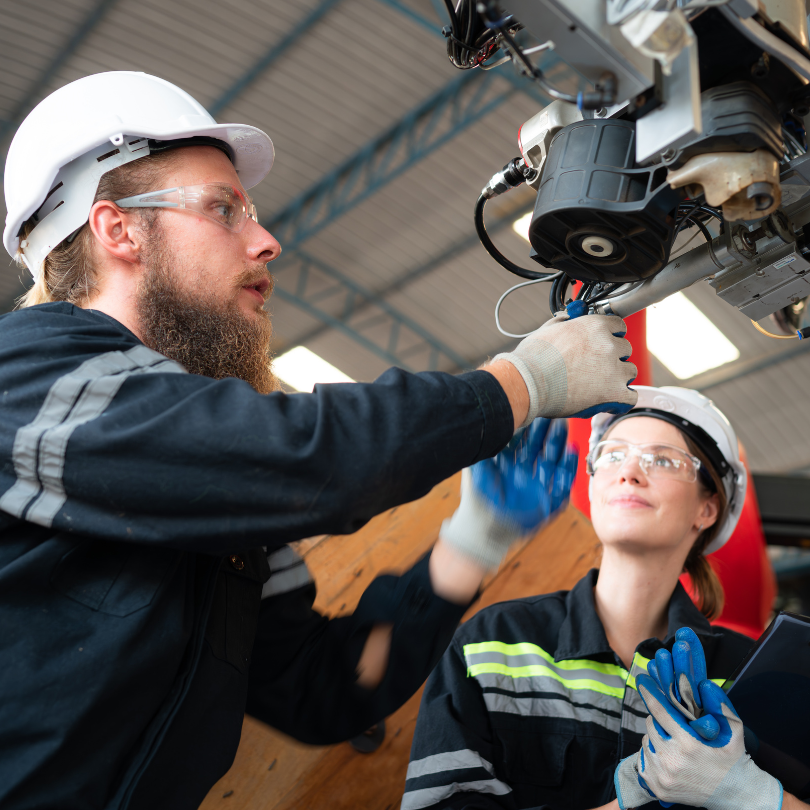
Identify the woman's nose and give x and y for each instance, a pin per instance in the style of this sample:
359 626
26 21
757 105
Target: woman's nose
631 469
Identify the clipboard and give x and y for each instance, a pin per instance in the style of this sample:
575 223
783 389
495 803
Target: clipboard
771 692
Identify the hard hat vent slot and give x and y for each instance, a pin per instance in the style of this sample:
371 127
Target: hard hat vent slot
108 155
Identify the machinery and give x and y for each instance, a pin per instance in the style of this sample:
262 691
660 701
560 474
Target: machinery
692 118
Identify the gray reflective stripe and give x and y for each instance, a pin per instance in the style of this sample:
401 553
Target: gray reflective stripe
73 400
541 683
631 721
288 571
534 659
549 707
425 797
449 761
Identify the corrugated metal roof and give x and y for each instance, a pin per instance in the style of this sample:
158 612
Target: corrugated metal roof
357 71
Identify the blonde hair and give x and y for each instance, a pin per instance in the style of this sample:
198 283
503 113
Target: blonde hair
70 273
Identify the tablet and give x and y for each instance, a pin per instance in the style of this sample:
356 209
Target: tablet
771 692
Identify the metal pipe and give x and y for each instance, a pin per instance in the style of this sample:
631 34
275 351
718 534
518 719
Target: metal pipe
680 273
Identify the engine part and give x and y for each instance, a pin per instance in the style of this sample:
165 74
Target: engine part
789 18
777 285
597 217
792 318
736 117
678 119
746 184
585 40
661 35
534 137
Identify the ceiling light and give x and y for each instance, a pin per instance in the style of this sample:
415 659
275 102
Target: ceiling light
521 226
302 369
684 339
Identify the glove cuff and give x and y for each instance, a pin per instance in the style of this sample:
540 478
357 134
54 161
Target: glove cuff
747 785
544 373
628 790
474 531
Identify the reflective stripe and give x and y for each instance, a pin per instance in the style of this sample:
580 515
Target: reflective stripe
288 571
449 761
525 648
541 670
638 667
426 797
73 400
550 707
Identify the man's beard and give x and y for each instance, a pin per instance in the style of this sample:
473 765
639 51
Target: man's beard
211 338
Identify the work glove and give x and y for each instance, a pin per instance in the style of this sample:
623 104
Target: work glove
677 765
678 674
511 495
576 366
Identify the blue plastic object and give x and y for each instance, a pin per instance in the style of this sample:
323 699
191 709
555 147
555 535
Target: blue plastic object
531 478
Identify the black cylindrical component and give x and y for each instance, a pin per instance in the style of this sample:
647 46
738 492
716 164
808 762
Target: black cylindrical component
597 217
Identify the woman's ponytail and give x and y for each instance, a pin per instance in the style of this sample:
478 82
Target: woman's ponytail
705 583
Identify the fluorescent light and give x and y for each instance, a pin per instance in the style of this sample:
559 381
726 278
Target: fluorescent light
301 369
521 226
684 339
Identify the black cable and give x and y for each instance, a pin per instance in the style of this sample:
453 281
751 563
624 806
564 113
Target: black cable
490 248
705 231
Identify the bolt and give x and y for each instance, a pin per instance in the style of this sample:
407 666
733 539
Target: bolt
668 154
760 273
747 240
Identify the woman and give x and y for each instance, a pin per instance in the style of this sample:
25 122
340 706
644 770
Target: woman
534 703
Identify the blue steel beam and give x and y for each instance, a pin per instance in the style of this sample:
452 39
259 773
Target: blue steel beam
407 278
272 55
420 132
83 30
309 283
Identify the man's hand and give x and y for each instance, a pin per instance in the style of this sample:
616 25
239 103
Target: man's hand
676 764
575 367
509 496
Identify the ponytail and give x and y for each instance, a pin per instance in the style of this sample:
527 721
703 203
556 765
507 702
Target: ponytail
705 582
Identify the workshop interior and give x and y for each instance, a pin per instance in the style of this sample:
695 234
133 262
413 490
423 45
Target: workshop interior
449 175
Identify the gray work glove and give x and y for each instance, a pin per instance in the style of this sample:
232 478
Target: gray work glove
576 367
511 495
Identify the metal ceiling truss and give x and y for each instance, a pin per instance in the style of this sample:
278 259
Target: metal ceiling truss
83 30
320 290
407 278
270 57
420 132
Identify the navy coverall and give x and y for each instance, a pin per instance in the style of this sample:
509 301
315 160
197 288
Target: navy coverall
530 708
144 512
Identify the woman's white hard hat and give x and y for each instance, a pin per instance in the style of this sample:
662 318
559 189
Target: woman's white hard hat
698 417
93 125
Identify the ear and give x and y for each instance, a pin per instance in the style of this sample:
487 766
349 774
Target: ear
709 511
116 231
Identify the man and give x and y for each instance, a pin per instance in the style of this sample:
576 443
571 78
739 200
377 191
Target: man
151 475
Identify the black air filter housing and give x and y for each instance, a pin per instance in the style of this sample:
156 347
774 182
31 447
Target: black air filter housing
597 218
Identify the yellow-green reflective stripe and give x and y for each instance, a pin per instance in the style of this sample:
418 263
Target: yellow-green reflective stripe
525 648
641 662
539 669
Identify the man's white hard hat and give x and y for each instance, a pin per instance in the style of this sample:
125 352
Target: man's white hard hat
85 129
700 419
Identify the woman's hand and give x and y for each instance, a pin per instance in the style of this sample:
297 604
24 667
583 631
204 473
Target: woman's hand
676 763
511 495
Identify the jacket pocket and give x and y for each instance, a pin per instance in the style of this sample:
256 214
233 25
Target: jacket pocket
532 755
234 615
113 578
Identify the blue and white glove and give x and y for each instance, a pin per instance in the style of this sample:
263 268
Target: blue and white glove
677 765
511 495
678 674
576 365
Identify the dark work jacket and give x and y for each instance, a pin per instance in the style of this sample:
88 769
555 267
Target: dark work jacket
530 708
139 506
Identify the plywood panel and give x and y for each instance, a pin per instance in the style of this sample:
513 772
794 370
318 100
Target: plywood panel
271 771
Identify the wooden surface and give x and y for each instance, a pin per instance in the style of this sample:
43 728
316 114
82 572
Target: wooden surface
273 772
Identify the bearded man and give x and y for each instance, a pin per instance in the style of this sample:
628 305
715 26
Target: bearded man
152 475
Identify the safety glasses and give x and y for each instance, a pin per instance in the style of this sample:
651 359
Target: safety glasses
223 203
657 460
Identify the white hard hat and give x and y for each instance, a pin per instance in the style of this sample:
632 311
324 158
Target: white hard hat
698 418
85 129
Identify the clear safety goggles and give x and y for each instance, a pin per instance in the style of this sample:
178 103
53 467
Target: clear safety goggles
656 460
223 203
